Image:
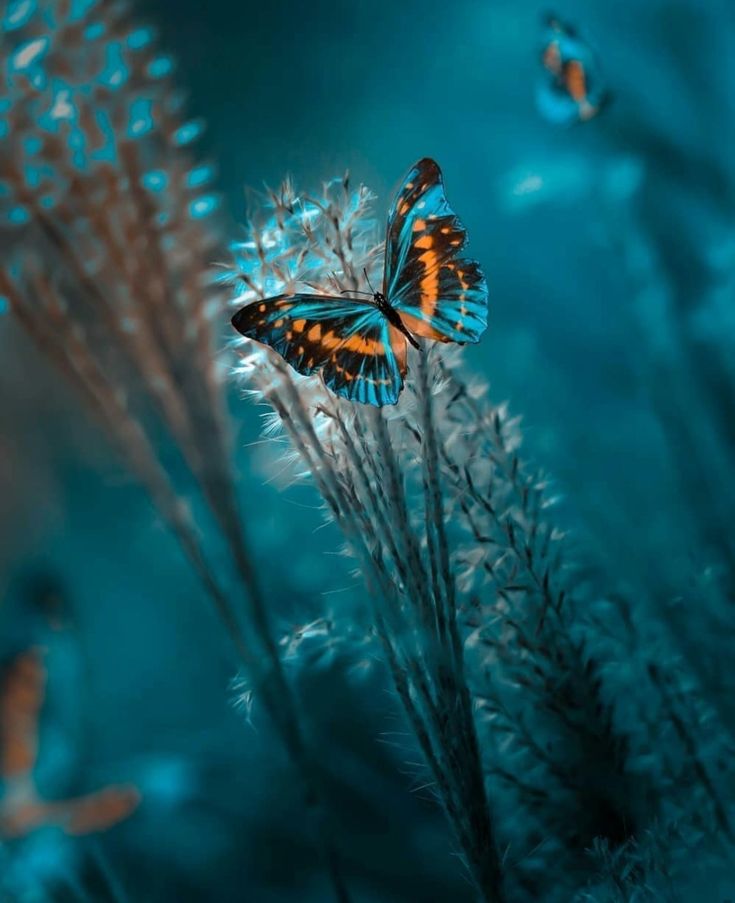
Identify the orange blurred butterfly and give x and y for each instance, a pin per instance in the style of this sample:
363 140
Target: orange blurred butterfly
22 809
571 88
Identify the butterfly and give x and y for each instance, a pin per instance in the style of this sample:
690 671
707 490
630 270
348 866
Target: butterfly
22 809
570 90
429 290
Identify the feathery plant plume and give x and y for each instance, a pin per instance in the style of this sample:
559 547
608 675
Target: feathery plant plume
106 219
507 664
381 474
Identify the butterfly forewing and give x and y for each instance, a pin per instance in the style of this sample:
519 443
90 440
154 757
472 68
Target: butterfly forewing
439 293
359 354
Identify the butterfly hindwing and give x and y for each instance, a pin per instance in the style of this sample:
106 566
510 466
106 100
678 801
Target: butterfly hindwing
438 293
359 354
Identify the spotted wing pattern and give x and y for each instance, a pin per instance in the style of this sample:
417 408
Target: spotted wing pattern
439 293
359 354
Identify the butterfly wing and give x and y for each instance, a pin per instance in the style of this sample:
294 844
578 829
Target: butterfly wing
22 692
439 293
360 355
96 811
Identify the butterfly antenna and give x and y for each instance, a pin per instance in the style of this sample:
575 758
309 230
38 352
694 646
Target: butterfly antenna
367 279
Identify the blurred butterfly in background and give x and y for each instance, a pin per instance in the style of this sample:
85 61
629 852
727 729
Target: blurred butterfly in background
570 89
429 290
22 809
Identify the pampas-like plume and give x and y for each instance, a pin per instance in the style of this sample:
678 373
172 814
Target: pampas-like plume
108 243
539 745
382 474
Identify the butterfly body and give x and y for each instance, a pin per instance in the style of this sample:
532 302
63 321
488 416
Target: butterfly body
360 347
393 317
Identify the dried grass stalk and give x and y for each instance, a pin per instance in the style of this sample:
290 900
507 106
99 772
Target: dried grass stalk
108 243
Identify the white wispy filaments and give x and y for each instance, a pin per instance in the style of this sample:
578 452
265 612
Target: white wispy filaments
493 645
381 474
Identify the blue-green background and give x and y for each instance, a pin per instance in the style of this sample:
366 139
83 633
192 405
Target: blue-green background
595 239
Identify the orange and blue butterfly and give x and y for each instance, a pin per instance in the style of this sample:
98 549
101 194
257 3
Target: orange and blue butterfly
429 290
570 89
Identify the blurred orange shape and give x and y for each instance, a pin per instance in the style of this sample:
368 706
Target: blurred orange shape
100 810
22 693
